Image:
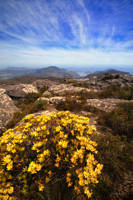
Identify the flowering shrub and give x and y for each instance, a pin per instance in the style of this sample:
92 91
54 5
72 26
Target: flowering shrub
43 151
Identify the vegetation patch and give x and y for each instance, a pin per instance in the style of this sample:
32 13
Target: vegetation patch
120 120
110 76
77 84
50 157
116 91
16 118
112 91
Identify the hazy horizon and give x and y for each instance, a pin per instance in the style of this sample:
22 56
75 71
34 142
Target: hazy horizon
80 70
66 33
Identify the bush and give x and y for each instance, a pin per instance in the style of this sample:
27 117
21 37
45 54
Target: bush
76 84
115 153
112 91
120 120
116 91
107 77
43 89
16 118
31 97
84 84
49 157
71 105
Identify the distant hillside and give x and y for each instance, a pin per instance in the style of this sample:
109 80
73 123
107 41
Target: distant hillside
12 72
52 71
109 71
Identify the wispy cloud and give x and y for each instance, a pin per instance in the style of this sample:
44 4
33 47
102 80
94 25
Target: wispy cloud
79 30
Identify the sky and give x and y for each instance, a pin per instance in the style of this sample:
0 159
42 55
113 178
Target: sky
66 33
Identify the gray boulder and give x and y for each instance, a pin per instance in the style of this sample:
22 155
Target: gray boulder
107 104
20 90
41 83
7 108
56 100
43 99
64 88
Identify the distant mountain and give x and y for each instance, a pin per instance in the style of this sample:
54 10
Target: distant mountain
54 71
87 73
51 71
108 71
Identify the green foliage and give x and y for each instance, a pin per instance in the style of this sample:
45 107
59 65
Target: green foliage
113 91
49 157
29 104
2 130
116 91
71 105
120 120
102 190
31 97
84 84
16 118
43 89
115 153
110 76
77 84
41 105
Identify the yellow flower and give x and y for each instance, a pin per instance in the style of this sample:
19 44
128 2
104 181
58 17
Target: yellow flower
10 166
47 179
10 190
34 167
41 187
58 128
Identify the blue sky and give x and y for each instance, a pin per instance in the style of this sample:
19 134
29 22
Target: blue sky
66 33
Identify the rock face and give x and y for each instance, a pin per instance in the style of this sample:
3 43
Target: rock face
41 83
56 100
7 108
106 105
63 88
20 90
97 83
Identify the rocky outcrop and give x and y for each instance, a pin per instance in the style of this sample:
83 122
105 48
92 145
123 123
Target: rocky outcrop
43 99
64 88
7 108
52 100
56 100
45 82
106 105
18 91
46 94
98 83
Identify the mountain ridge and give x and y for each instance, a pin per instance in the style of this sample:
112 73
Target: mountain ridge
51 71
108 71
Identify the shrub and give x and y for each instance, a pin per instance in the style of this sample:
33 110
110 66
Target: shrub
112 91
107 77
120 120
71 105
31 97
16 118
38 106
116 91
49 157
116 155
43 89
76 84
84 84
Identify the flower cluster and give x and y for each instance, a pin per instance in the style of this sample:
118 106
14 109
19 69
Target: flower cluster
44 147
